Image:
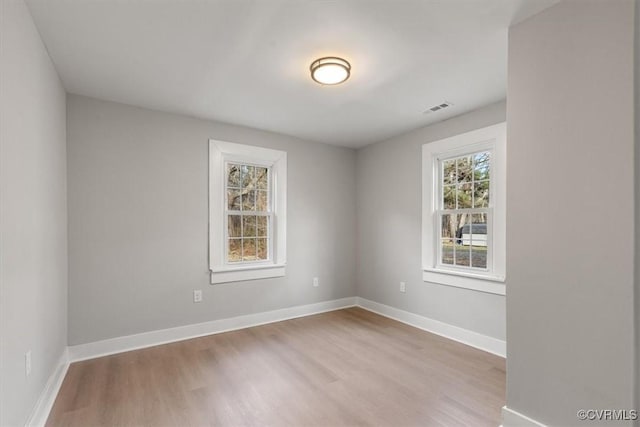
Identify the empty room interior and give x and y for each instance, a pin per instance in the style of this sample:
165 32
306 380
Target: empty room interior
319 213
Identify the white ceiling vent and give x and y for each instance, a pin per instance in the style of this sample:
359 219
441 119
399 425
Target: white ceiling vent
436 108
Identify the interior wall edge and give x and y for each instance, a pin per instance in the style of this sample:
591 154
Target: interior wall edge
636 389
513 418
47 398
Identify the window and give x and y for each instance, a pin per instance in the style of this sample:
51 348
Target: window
248 213
247 208
463 211
463 224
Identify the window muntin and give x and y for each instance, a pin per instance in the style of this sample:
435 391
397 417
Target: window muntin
248 213
464 214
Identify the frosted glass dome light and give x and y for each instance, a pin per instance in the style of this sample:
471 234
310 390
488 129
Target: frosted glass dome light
330 70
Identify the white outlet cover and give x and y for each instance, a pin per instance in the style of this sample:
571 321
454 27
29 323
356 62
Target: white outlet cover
316 282
197 295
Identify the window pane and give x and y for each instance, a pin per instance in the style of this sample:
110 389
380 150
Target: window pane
479 256
248 176
464 169
462 256
462 241
481 194
463 230
233 175
449 172
248 249
262 251
235 250
479 228
249 226
234 225
447 251
449 197
464 195
482 166
262 226
261 201
479 241
233 200
249 200
453 226
262 178
449 225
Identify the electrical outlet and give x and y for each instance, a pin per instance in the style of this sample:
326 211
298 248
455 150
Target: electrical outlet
197 295
403 287
27 363
316 282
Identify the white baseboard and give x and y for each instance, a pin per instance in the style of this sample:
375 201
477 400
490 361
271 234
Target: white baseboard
149 339
511 418
465 336
48 396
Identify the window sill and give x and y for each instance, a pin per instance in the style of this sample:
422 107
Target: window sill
460 279
252 272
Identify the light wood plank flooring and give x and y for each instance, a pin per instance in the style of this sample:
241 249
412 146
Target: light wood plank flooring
343 368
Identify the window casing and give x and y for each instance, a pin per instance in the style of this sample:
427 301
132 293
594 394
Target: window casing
247 209
463 221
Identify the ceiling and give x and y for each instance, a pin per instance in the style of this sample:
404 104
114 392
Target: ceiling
247 62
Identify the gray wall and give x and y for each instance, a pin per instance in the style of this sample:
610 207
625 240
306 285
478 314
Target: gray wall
138 220
33 215
570 211
389 176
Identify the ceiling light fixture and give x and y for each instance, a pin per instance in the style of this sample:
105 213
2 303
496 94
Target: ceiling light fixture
330 70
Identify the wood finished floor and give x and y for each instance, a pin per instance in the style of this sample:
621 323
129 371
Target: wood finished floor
346 367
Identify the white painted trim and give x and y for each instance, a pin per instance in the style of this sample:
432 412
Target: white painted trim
511 418
251 273
489 284
222 272
250 267
465 336
164 336
48 396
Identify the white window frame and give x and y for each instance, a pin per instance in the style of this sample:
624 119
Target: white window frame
221 153
491 279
